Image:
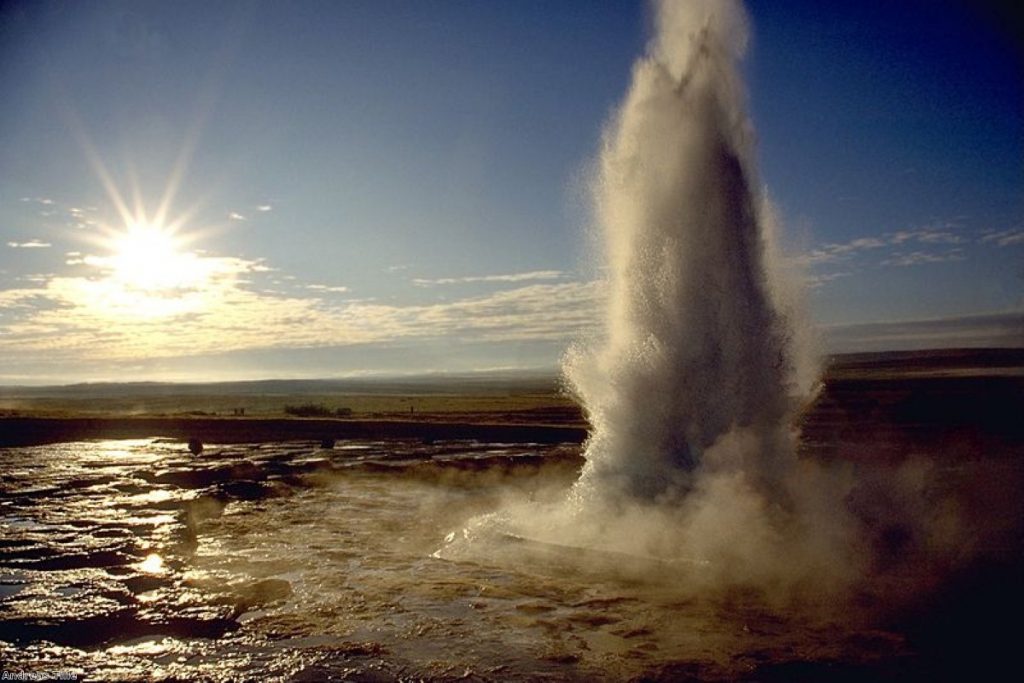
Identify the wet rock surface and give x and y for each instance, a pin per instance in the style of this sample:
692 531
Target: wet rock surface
128 560
109 549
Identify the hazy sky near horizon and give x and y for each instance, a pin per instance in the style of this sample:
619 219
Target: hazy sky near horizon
401 186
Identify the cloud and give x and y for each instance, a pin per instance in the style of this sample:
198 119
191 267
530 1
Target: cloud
845 252
920 257
78 219
1005 238
830 253
512 277
1005 328
31 244
539 311
235 216
861 243
327 288
22 298
263 208
925 236
815 281
227 305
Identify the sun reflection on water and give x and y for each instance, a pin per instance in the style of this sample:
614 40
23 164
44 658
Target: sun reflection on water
153 564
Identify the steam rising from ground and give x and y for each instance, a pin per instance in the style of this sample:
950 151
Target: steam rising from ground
695 347
694 387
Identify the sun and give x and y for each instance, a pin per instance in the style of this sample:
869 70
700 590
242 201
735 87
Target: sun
145 271
148 273
148 257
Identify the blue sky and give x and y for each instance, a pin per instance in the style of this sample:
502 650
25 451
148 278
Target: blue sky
400 186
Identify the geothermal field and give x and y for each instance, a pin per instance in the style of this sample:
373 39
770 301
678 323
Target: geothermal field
701 494
454 554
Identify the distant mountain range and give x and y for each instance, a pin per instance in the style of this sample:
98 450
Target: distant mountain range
504 381
497 382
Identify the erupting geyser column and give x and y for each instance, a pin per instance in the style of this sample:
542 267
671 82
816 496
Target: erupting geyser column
694 368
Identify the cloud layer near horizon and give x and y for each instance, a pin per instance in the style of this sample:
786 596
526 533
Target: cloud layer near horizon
81 316
63 319
65 322
1004 328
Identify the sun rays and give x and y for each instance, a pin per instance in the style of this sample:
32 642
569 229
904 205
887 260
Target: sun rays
145 269
147 257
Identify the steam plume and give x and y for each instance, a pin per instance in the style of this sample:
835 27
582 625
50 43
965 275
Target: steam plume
693 388
696 354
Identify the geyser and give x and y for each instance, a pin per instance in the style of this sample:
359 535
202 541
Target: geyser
696 368
692 388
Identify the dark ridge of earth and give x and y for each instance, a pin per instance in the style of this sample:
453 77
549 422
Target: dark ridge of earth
31 431
924 411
